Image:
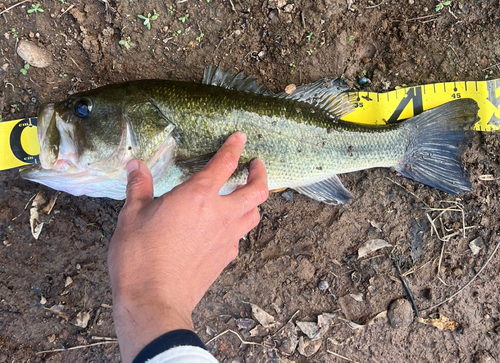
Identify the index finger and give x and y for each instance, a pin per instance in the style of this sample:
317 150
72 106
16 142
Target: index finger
225 161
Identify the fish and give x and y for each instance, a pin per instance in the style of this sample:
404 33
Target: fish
176 127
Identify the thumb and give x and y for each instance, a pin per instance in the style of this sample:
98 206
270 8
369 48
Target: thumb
139 183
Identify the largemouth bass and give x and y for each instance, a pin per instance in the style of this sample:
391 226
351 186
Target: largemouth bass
176 127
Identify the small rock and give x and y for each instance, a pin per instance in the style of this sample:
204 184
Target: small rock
363 80
357 297
33 54
245 323
82 319
263 317
475 245
68 281
483 357
400 314
308 328
308 347
323 285
288 8
259 331
51 338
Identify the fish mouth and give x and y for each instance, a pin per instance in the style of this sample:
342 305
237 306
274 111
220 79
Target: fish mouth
49 136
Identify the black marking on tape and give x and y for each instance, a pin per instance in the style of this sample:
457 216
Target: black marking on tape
15 141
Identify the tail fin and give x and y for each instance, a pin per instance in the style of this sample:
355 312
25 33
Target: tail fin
437 138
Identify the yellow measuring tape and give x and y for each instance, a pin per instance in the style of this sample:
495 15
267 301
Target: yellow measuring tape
19 143
383 108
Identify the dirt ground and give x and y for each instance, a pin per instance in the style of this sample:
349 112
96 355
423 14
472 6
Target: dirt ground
299 242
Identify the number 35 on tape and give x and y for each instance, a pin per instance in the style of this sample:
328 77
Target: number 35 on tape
385 108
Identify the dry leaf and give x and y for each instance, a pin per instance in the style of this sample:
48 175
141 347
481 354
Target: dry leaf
36 226
68 281
371 246
264 318
377 225
59 311
48 208
474 245
357 297
82 319
318 330
355 326
440 321
309 328
308 347
487 177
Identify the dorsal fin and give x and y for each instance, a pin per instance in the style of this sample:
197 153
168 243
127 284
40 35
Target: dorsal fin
328 94
216 76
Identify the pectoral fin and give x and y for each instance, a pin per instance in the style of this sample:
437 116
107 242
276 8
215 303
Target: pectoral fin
329 191
194 165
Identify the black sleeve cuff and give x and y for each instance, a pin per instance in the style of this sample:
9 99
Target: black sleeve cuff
168 340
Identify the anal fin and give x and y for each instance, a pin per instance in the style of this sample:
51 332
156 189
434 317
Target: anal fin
328 191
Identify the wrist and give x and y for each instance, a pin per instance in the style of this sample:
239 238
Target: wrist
138 323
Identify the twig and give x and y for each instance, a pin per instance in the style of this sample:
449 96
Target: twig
68 9
289 320
13 6
396 260
439 263
415 269
232 331
107 339
77 347
419 18
493 66
341 356
467 284
375 6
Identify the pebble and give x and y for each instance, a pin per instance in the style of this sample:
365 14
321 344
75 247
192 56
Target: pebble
483 357
363 80
323 285
400 314
33 54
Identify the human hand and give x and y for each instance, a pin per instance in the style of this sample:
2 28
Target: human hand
166 253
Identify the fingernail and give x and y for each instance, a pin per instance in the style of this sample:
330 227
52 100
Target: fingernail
132 165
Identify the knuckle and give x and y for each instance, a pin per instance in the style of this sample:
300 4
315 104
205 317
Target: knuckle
228 160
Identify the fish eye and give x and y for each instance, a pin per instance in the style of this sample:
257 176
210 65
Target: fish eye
83 107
